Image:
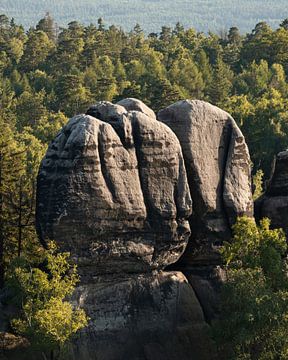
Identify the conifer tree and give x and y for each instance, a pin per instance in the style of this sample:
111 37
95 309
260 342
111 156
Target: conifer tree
221 84
186 75
48 26
11 169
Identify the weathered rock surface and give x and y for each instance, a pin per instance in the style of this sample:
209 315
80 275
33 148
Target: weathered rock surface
218 170
112 190
206 281
274 202
131 104
145 316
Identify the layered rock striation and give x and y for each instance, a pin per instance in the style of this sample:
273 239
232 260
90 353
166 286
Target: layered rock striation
146 316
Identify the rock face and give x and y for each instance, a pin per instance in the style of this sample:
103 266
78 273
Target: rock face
112 190
145 316
274 202
218 170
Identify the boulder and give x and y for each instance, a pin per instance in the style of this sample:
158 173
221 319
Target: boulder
141 316
274 202
112 190
131 104
218 169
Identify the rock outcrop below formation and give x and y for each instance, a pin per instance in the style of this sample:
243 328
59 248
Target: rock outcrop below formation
147 316
115 190
274 202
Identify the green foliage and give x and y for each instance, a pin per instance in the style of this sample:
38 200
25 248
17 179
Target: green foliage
258 184
47 319
48 26
186 75
20 155
263 120
221 83
254 311
37 48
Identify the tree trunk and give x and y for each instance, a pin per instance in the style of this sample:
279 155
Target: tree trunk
20 219
2 269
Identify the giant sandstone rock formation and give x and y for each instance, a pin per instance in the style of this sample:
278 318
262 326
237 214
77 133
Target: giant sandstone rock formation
274 202
218 169
112 190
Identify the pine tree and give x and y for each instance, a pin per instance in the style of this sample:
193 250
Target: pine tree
37 48
232 49
221 83
101 25
186 75
30 108
73 97
204 67
234 36
161 94
11 169
48 26
258 45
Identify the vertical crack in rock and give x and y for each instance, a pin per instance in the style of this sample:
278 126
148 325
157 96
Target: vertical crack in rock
102 153
226 150
137 145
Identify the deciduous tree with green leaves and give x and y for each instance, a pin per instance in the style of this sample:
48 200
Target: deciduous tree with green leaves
46 318
253 323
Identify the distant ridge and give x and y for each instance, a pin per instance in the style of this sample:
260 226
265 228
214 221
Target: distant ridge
203 15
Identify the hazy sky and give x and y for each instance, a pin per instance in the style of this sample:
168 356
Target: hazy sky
152 14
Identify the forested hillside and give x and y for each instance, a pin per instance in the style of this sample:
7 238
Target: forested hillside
203 15
47 78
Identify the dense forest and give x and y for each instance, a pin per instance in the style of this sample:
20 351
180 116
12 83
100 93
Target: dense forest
203 15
